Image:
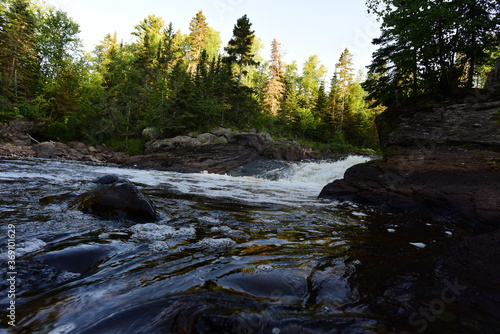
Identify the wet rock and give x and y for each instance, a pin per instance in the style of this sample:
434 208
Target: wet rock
252 141
106 179
218 158
76 259
436 163
116 198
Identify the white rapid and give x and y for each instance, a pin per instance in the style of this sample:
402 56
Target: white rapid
296 184
293 183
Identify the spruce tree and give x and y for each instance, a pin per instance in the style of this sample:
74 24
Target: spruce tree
239 48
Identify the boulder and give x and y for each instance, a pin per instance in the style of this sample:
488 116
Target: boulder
150 133
47 150
437 162
216 152
250 140
207 138
223 132
115 198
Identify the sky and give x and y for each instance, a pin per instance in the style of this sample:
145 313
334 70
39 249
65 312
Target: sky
304 28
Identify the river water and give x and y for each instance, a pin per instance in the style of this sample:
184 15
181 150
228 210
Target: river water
250 252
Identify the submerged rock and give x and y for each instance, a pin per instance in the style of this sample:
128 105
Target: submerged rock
436 162
116 197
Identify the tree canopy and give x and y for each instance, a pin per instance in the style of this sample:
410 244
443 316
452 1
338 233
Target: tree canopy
176 82
431 46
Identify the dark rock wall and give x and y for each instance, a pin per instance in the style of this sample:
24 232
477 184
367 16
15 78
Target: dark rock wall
441 160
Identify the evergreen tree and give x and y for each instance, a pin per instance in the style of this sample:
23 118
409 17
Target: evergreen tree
198 39
239 48
344 76
321 112
291 100
275 88
172 49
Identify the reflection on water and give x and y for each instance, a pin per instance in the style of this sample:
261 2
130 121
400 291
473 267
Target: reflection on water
230 254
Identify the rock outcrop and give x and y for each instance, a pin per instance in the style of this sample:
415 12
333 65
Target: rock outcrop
71 151
441 160
216 152
115 198
19 131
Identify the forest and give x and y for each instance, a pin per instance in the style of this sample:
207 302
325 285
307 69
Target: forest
188 82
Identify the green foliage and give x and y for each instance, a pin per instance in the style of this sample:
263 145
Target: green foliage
175 82
239 48
133 146
65 130
431 46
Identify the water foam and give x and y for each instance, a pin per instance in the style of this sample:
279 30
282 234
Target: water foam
293 184
155 232
221 243
322 172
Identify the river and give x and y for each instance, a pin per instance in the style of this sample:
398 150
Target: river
254 251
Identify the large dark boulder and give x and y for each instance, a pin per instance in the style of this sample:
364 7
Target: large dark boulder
441 159
115 197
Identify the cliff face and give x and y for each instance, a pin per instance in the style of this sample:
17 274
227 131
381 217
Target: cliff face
440 159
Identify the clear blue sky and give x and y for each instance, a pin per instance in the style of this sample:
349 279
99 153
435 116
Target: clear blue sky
304 28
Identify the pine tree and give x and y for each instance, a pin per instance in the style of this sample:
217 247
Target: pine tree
172 49
239 48
275 89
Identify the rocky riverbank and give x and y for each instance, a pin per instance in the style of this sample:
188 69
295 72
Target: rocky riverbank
217 151
71 151
441 159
